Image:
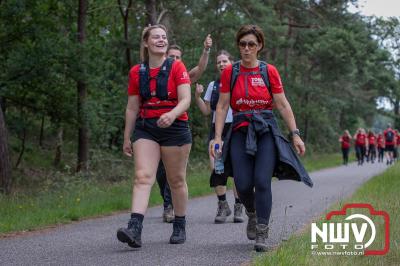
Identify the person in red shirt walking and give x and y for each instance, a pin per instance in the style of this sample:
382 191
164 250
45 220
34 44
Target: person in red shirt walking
390 141
345 143
371 154
361 143
381 147
156 112
256 146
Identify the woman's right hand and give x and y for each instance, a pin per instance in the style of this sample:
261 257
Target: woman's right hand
212 145
199 90
127 148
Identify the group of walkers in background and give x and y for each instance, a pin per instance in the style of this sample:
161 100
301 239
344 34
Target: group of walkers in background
243 129
371 146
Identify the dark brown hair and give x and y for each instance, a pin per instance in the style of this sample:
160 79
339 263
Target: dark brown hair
144 51
251 29
175 47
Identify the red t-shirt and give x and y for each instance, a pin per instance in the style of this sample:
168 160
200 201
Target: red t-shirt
381 142
257 96
394 137
398 139
371 139
360 139
177 76
345 141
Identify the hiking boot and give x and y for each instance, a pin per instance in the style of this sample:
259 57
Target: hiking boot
223 212
168 214
238 213
179 232
131 235
261 238
251 225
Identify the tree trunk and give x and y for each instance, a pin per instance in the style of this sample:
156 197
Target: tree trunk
41 132
83 135
125 17
151 12
21 153
58 155
287 50
5 162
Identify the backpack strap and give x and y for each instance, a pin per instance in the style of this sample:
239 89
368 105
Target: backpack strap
162 79
144 81
214 95
235 74
264 74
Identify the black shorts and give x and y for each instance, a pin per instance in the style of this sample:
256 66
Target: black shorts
389 148
177 134
218 180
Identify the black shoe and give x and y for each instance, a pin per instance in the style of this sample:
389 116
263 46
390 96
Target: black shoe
179 234
131 235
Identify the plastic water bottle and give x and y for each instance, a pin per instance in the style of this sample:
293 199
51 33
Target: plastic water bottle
218 161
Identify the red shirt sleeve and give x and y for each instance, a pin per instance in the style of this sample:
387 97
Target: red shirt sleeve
274 79
180 74
133 81
225 82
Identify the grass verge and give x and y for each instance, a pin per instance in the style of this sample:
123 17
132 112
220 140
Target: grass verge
382 193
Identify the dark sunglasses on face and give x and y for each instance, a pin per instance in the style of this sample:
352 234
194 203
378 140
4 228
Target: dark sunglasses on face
251 44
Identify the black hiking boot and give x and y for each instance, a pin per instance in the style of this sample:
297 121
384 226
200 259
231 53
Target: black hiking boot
261 238
131 235
179 234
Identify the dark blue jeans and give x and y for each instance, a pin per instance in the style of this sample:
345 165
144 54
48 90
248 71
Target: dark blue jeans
252 174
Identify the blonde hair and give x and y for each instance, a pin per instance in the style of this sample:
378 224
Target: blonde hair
144 51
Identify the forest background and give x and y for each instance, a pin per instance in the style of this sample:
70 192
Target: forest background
64 68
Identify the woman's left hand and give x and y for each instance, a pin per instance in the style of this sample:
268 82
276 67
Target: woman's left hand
166 120
298 145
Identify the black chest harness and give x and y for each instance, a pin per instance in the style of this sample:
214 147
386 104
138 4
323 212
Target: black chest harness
161 80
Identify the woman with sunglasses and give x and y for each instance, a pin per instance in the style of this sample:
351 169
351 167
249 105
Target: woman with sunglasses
256 145
158 116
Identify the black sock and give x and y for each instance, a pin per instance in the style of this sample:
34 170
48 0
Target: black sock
222 197
137 216
180 218
237 200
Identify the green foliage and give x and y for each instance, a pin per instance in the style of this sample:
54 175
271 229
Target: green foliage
335 65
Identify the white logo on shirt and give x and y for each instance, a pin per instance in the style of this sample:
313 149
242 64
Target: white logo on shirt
185 75
257 82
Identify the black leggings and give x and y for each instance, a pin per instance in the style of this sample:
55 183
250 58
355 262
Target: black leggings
254 172
345 153
360 153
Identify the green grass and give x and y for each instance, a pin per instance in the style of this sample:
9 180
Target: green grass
44 197
321 161
382 193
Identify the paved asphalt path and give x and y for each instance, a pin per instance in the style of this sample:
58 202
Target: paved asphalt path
94 242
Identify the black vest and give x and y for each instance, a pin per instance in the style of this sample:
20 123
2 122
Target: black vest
161 79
